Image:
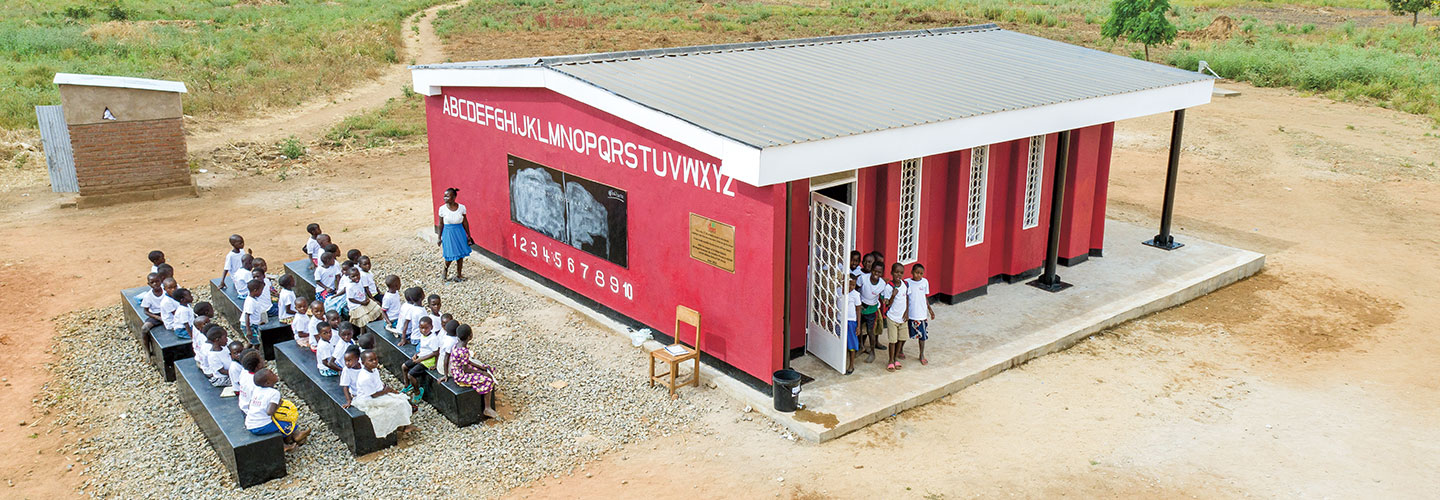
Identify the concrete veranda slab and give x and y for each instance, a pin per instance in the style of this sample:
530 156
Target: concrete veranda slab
980 337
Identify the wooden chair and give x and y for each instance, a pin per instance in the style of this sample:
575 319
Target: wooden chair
690 317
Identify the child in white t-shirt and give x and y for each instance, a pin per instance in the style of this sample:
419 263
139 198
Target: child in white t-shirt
432 309
232 263
167 302
852 314
300 322
346 338
285 303
414 369
156 258
367 280
856 267
216 360
448 338
919 311
260 418
254 313
149 301
312 246
251 361
243 274
326 276
410 314
317 315
387 409
349 371
182 319
199 336
872 288
391 301
269 294
895 313
324 347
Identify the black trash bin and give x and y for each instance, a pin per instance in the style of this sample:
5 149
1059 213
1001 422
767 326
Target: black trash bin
785 387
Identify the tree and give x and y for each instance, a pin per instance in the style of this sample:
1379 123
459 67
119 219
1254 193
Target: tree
1141 21
1412 7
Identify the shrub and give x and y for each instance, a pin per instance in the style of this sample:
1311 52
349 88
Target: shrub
292 148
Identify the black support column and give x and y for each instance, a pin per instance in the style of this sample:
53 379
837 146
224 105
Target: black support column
1048 281
1165 240
785 317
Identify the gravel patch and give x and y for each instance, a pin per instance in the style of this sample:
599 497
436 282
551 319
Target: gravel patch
570 391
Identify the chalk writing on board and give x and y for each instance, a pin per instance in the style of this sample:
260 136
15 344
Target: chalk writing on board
571 209
536 201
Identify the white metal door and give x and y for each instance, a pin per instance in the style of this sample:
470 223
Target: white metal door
830 244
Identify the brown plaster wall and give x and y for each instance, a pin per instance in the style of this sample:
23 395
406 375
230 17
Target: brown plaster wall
85 104
125 156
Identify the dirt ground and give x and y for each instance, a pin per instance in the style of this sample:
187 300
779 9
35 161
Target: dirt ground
1312 379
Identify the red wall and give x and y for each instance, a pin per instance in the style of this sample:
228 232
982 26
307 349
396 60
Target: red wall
740 311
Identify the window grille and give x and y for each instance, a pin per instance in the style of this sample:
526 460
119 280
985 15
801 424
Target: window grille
909 240
1034 173
975 199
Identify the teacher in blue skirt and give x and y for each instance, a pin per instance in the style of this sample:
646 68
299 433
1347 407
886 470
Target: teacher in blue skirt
454 231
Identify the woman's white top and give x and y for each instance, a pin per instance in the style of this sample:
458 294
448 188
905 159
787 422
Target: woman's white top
448 216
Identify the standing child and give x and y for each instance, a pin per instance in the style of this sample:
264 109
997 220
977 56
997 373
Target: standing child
391 302
856 267
254 313
387 409
363 309
260 419
872 287
324 348
311 245
920 313
468 373
415 368
182 320
327 276
895 316
852 314
156 258
232 259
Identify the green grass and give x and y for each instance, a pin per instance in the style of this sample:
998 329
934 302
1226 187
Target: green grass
400 118
236 57
1396 67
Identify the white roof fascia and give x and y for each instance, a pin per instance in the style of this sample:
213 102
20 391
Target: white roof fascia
780 164
123 82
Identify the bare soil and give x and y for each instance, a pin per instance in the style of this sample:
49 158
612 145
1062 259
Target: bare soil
1314 378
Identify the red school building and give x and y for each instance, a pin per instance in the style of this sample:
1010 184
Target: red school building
728 178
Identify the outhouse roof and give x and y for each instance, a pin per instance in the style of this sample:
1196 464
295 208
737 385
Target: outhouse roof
124 82
910 93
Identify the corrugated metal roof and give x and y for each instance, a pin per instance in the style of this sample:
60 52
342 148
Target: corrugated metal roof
768 94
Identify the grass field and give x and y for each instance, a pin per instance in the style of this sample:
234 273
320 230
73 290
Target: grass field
1387 63
236 56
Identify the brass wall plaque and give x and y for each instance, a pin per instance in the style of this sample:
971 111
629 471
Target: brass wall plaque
712 242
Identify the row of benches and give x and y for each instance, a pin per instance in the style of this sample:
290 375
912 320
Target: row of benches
254 459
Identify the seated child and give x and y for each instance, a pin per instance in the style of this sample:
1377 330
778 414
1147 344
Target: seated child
300 321
165 271
156 258
353 256
339 301
233 369
285 303
432 307
407 325
363 309
232 260
150 302
346 333
391 301
366 342
414 369
254 313
260 419
323 348
468 373
182 320
216 360
270 294
243 274
448 339
198 342
349 371
311 245
321 242
251 360
167 302
327 276
387 409
317 315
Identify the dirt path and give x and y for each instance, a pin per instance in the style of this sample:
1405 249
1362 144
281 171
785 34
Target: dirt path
314 118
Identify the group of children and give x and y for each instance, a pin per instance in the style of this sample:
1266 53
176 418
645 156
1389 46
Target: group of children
879 310
344 290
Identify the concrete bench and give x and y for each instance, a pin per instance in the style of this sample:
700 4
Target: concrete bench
296 366
462 405
161 346
304 274
228 306
250 459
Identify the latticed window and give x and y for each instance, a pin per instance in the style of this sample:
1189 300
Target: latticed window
975 199
1034 173
909 241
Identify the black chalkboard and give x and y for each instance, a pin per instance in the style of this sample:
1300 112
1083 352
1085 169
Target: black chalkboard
571 209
